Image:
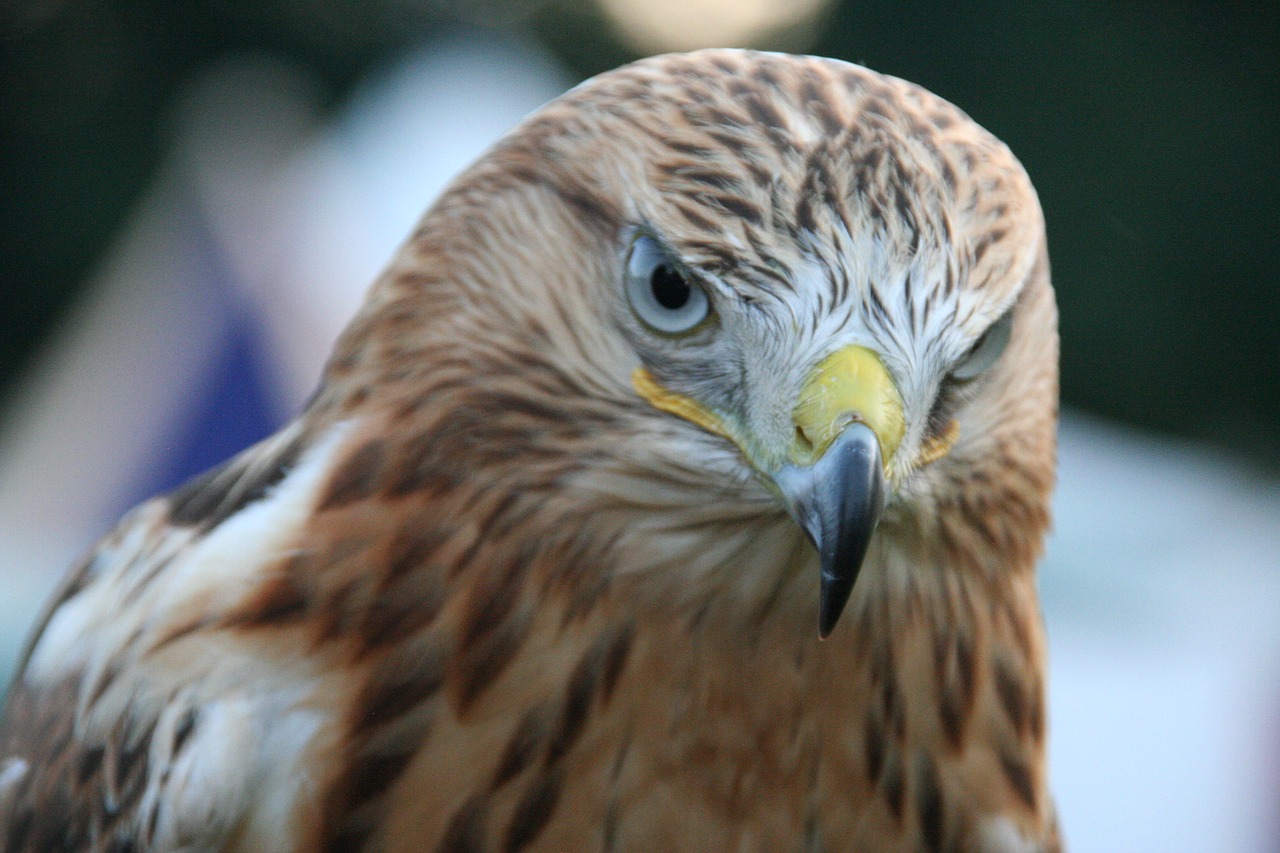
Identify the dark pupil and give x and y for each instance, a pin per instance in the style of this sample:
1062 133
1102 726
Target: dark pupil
669 287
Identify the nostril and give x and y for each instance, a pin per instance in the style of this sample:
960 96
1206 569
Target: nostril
802 440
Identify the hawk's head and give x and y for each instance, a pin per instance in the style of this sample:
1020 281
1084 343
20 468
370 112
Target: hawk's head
813 289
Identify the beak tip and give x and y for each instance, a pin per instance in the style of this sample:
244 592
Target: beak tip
838 501
835 593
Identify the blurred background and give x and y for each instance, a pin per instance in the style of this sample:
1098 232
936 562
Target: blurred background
193 197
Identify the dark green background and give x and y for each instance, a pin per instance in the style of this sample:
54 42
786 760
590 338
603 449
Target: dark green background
1150 129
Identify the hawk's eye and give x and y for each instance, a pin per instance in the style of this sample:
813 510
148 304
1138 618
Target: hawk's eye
660 294
984 353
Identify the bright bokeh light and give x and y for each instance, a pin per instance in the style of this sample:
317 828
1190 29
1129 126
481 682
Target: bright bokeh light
657 26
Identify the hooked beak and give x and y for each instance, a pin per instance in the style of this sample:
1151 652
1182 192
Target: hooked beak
848 424
837 501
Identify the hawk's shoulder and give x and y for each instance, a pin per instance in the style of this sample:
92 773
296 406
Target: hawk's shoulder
122 731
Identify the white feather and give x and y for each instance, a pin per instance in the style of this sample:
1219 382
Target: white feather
1000 835
242 765
93 627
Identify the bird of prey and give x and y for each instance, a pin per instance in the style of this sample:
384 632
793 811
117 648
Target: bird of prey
678 486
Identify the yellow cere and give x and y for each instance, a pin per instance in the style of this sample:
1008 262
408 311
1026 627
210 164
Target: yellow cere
850 385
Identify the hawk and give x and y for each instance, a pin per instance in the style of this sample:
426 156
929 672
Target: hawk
678 486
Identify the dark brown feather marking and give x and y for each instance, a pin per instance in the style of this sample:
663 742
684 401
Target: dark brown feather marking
197 499
211 498
873 743
408 677
584 596
695 217
494 592
383 738
615 660
477 665
1035 713
737 206
951 713
495 404
463 561
732 141
609 830
760 176
893 708
356 478
351 838
893 783
419 468
804 217
530 734
89 763
930 807
691 149
725 64
373 774
985 242
954 658
131 763
466 830
818 104
279 601
764 113
592 207
577 700
1019 777
764 73
399 613
182 733
534 810
1012 696
711 178
20 830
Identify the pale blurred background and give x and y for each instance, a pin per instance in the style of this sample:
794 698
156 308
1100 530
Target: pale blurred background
193 198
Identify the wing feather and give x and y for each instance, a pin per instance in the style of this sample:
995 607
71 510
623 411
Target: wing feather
105 743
